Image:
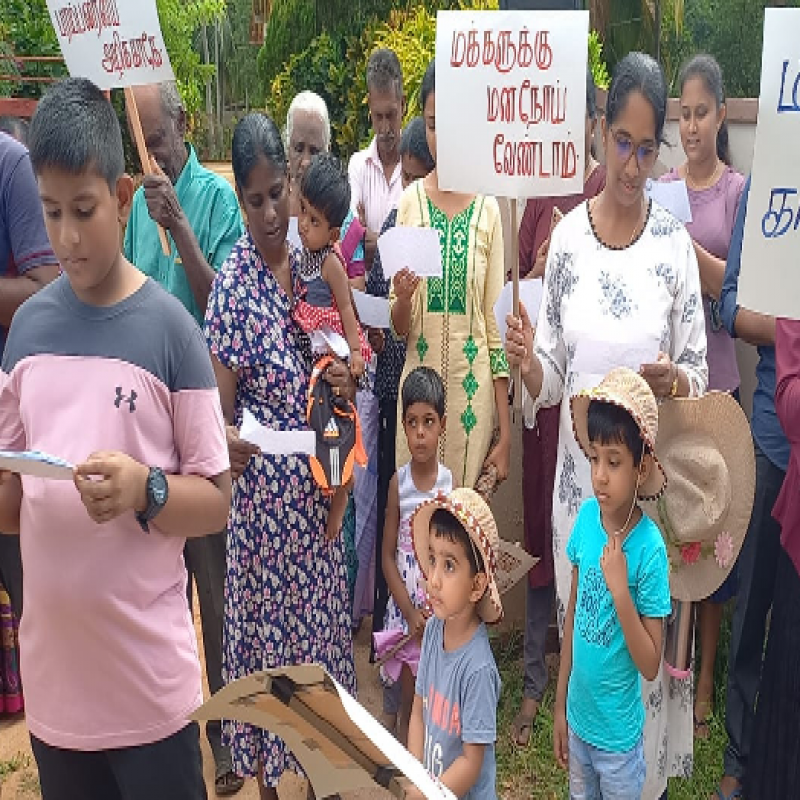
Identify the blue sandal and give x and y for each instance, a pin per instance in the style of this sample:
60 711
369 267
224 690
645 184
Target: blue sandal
736 794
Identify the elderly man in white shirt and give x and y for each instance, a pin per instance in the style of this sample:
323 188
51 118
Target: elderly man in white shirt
375 181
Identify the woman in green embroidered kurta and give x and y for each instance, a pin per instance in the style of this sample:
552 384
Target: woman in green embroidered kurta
449 322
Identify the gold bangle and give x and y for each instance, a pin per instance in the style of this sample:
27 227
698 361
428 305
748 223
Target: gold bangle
673 392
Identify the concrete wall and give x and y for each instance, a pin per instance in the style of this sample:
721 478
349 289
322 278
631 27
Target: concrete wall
507 503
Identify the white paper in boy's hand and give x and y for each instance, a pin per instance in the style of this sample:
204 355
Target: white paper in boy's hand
597 357
276 443
671 195
372 311
36 464
416 249
293 234
530 296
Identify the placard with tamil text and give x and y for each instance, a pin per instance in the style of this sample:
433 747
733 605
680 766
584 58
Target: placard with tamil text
769 280
511 101
114 43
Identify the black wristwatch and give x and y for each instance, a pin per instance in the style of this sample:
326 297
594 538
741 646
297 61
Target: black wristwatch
157 494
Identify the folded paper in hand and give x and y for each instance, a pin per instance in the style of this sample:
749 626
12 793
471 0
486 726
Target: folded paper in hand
276 443
671 195
36 464
416 249
373 312
530 296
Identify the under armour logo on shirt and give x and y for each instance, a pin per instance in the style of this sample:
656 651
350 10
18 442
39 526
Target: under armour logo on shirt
130 399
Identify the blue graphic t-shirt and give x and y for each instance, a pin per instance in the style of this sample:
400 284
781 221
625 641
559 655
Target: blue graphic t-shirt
459 690
604 698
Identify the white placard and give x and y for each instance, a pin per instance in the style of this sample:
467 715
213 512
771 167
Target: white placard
36 464
511 101
372 311
276 443
671 195
530 296
417 249
114 43
769 280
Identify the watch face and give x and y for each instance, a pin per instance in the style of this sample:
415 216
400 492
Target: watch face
158 488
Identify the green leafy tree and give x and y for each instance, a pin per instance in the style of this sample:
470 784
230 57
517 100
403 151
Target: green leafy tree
180 23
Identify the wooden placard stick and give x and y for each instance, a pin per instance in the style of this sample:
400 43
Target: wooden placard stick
517 377
144 156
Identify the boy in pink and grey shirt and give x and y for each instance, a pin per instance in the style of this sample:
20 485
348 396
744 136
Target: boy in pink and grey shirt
106 370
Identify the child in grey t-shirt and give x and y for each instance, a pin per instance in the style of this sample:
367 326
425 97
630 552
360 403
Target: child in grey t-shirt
453 724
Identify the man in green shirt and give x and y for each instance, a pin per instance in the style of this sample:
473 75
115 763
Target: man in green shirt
196 207
201 215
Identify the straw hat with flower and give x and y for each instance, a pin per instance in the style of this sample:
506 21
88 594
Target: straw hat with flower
706 448
470 509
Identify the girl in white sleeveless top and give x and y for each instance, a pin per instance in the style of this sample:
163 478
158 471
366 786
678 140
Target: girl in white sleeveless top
421 479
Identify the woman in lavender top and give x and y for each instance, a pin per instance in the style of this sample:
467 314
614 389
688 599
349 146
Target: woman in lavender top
715 190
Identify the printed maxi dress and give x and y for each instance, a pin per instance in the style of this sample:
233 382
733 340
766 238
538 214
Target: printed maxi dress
286 598
601 308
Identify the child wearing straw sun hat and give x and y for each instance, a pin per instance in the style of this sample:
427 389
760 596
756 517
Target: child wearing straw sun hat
619 597
453 724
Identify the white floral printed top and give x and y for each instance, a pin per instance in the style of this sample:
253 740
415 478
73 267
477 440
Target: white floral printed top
600 307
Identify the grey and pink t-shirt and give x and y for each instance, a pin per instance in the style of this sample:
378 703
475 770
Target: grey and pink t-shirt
107 647
713 216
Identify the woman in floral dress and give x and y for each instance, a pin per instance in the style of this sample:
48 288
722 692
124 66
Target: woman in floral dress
621 280
286 599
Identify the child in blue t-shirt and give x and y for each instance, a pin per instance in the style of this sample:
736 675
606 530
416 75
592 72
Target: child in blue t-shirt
620 594
453 725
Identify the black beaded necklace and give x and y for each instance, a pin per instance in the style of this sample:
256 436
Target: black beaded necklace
636 233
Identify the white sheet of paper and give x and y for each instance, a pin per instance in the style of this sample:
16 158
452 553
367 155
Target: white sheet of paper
293 234
530 296
596 357
415 248
671 195
327 340
39 465
276 443
391 748
372 311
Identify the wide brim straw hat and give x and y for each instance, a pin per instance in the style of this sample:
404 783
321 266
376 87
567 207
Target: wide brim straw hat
627 389
706 448
470 509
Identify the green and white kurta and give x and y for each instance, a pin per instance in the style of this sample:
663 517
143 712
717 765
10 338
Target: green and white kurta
453 328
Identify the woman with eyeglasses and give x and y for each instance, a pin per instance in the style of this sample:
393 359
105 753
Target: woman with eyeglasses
715 189
622 286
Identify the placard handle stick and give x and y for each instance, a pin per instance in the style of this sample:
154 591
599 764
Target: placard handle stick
515 301
144 156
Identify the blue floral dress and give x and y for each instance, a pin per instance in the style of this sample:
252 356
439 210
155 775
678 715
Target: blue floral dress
286 596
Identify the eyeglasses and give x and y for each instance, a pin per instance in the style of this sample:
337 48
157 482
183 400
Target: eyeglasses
645 153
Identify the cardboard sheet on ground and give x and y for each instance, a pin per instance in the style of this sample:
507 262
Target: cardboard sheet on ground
275 442
671 195
530 296
417 249
372 311
339 745
597 357
39 465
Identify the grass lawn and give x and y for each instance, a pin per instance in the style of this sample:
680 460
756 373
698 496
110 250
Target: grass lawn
532 772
